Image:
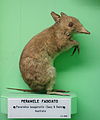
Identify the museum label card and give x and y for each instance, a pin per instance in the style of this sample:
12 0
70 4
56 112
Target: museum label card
39 108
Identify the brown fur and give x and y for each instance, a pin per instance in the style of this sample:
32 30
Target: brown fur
36 62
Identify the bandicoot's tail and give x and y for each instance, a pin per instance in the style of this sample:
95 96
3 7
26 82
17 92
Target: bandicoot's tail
24 90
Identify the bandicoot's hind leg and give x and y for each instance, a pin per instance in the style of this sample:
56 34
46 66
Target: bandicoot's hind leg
58 90
57 93
51 83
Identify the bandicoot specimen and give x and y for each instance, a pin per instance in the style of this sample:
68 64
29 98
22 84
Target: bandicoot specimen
36 61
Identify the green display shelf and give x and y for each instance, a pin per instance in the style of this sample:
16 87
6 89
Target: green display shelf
4 100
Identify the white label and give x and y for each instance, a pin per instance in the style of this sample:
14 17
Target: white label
39 108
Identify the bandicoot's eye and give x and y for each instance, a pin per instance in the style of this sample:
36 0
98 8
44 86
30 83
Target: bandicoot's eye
70 24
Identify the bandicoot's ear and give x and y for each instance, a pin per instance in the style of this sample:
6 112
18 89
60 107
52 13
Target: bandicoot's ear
63 14
55 16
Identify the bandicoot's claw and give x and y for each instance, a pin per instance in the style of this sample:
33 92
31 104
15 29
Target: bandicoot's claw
76 48
74 51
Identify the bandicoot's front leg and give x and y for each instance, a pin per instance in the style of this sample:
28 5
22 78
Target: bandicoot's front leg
76 48
74 44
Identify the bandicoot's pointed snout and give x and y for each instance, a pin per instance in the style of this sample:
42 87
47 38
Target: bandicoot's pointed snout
83 30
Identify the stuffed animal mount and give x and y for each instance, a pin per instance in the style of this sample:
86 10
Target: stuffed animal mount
36 61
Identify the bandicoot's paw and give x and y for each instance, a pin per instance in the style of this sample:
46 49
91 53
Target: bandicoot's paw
76 48
57 93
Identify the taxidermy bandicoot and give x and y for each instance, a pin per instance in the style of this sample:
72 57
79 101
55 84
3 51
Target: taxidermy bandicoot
36 61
